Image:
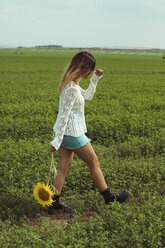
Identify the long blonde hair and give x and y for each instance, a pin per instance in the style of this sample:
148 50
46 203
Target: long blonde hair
82 63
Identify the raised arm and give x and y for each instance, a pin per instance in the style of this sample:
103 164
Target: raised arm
89 92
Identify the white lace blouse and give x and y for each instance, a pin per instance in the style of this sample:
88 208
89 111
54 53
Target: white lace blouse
71 119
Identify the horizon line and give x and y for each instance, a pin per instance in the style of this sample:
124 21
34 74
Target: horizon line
83 47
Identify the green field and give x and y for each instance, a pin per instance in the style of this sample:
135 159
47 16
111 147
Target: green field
126 123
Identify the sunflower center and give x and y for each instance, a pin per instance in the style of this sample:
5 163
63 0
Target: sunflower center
43 194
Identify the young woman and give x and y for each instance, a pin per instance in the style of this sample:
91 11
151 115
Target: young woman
70 128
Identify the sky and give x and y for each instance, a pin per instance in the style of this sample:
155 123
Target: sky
83 23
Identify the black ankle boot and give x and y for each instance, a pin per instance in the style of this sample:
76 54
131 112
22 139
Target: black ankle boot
108 197
56 205
120 197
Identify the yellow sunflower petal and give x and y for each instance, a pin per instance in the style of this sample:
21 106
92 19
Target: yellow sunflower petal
43 194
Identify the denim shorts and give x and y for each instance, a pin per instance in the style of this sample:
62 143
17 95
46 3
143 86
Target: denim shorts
72 143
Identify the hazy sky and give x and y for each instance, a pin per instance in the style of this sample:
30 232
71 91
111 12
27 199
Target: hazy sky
83 23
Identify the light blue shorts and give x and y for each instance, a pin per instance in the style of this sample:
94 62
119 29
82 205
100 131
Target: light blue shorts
72 143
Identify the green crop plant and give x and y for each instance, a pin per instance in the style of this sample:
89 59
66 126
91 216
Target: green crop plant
126 123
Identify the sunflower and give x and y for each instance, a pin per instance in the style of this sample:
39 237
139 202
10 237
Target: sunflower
43 194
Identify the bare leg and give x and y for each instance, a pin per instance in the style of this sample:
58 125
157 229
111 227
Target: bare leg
65 160
88 155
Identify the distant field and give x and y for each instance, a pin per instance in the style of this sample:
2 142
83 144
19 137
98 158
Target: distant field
126 122
52 51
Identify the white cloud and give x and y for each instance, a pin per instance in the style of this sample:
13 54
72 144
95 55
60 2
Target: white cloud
9 10
3 17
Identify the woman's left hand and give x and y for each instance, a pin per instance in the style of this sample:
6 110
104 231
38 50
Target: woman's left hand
99 72
52 149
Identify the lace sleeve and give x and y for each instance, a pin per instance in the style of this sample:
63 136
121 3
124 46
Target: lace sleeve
66 106
89 92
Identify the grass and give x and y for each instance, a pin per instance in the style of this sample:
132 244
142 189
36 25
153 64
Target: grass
126 122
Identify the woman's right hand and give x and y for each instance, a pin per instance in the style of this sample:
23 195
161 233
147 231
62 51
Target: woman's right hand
52 149
99 72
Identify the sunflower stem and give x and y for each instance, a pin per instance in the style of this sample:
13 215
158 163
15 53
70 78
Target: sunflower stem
52 170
